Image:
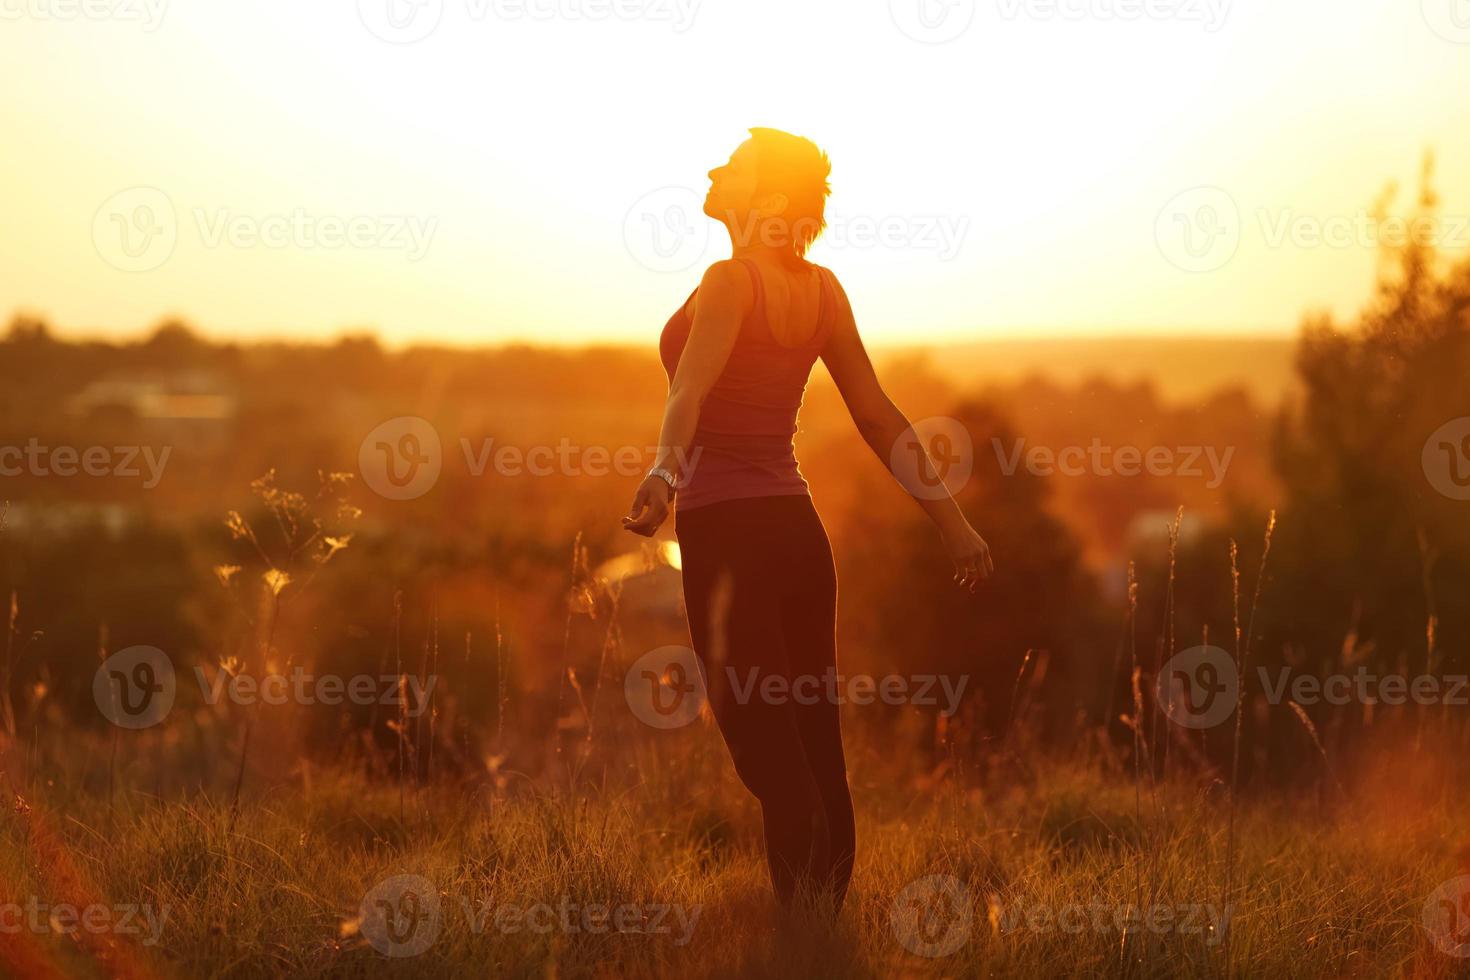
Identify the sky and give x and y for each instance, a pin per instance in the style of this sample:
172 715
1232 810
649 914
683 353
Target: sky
483 171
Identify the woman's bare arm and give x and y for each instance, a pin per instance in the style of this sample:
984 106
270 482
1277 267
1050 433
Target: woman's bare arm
724 297
882 426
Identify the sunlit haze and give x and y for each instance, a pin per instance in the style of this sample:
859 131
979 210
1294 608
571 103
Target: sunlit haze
492 177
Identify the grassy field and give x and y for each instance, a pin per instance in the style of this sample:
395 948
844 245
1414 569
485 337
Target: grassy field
1032 869
234 841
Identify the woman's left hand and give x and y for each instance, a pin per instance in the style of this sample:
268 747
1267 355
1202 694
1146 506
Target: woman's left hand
650 507
971 556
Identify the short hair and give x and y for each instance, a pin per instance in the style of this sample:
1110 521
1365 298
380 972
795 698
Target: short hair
797 167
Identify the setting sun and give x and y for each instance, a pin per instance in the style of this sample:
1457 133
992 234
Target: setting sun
540 148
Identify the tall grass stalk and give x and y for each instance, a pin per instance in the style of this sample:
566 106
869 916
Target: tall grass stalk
1242 657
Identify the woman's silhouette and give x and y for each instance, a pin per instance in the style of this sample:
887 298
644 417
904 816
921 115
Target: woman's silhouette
759 581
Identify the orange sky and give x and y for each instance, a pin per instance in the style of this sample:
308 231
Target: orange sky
475 171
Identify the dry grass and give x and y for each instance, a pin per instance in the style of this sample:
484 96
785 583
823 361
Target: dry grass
1333 889
1018 864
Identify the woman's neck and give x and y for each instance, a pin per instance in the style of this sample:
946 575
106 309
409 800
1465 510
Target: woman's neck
785 257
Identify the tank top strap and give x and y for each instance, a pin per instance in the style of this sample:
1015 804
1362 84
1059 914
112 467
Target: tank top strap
758 310
828 313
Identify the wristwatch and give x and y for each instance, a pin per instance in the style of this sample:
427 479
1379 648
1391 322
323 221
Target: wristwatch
667 477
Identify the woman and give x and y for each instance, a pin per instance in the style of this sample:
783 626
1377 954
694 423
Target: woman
759 581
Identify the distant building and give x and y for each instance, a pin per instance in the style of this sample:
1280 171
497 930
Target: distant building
189 409
65 517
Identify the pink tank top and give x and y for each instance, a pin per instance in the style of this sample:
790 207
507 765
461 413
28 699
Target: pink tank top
748 419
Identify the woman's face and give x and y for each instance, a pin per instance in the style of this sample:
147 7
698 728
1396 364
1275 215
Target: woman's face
732 186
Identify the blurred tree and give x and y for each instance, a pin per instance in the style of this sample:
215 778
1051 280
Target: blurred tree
1370 561
1367 541
897 583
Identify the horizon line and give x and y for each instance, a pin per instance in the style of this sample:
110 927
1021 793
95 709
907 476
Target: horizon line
308 338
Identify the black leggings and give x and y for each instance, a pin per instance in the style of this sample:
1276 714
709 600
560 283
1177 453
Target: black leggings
761 593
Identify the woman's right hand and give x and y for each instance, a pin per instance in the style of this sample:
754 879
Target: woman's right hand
650 507
970 554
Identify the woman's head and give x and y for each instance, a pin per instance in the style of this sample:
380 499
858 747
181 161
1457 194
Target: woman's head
772 192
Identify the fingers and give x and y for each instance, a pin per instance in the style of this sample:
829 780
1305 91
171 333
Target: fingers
645 528
965 574
971 570
640 504
646 515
